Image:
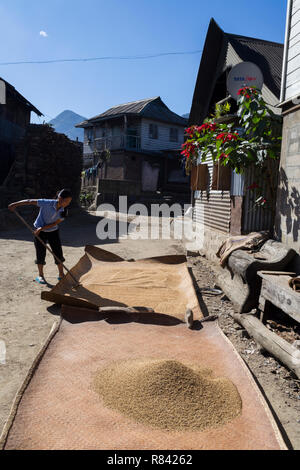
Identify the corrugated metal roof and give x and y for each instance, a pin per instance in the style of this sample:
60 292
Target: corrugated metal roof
266 54
151 108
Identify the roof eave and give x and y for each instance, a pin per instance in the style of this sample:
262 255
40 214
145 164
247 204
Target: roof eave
24 101
213 51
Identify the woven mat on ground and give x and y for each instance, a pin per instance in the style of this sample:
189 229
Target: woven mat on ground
162 283
57 408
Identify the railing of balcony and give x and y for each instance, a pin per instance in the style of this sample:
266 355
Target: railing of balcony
131 142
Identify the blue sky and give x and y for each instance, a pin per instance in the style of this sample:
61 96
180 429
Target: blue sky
95 28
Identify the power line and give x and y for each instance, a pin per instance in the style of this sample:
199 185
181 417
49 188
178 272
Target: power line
93 59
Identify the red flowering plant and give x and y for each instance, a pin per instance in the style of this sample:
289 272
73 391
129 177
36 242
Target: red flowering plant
258 195
262 142
256 143
210 140
197 138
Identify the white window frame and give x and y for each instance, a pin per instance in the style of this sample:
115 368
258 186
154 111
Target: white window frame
153 131
175 137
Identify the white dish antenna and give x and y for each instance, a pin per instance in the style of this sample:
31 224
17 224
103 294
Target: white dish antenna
244 74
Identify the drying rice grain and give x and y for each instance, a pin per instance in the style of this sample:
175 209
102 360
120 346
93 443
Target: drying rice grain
168 394
163 288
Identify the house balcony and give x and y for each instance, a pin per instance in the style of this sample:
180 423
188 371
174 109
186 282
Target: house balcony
118 142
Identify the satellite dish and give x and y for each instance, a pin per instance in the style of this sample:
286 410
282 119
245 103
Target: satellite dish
244 74
2 92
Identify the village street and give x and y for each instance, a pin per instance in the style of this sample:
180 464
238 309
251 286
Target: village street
26 319
150 226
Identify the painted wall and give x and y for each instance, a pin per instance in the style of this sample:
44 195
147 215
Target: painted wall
287 222
291 69
114 135
163 141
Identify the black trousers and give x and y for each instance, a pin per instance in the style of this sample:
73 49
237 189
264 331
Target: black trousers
55 244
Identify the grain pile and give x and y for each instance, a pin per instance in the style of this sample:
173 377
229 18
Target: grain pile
168 394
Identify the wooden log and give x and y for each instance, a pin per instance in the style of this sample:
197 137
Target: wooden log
277 273
209 318
126 309
109 309
271 342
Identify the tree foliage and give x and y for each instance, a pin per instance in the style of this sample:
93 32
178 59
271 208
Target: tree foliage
253 141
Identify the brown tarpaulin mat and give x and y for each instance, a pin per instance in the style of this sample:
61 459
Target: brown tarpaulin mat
162 283
60 410
57 408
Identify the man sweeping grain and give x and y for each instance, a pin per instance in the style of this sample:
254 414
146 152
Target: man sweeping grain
52 213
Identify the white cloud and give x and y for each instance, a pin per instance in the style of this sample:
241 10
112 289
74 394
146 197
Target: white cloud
44 34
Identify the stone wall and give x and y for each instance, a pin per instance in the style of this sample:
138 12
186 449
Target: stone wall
287 223
45 162
211 242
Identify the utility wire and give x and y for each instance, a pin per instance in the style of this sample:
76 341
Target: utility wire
91 59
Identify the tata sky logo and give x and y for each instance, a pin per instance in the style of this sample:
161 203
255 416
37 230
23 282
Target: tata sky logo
245 79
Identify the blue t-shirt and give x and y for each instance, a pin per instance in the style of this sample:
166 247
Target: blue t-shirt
48 214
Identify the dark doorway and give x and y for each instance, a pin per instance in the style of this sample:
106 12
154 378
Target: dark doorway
6 160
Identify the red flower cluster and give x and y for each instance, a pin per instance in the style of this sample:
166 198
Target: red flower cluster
223 155
206 126
188 149
253 186
247 91
190 131
227 137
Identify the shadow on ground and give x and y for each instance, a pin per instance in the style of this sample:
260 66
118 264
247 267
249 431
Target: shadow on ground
77 230
114 317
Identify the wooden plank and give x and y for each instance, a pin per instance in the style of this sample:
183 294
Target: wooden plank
279 293
294 40
271 342
295 18
292 90
294 64
277 273
293 76
293 52
295 5
163 140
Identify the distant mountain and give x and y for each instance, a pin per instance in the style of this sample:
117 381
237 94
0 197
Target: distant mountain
64 124
187 115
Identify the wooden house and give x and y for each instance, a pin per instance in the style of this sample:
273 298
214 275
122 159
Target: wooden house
222 205
15 113
287 223
144 139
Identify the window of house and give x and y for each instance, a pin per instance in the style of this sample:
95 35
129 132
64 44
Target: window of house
173 134
153 131
89 134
